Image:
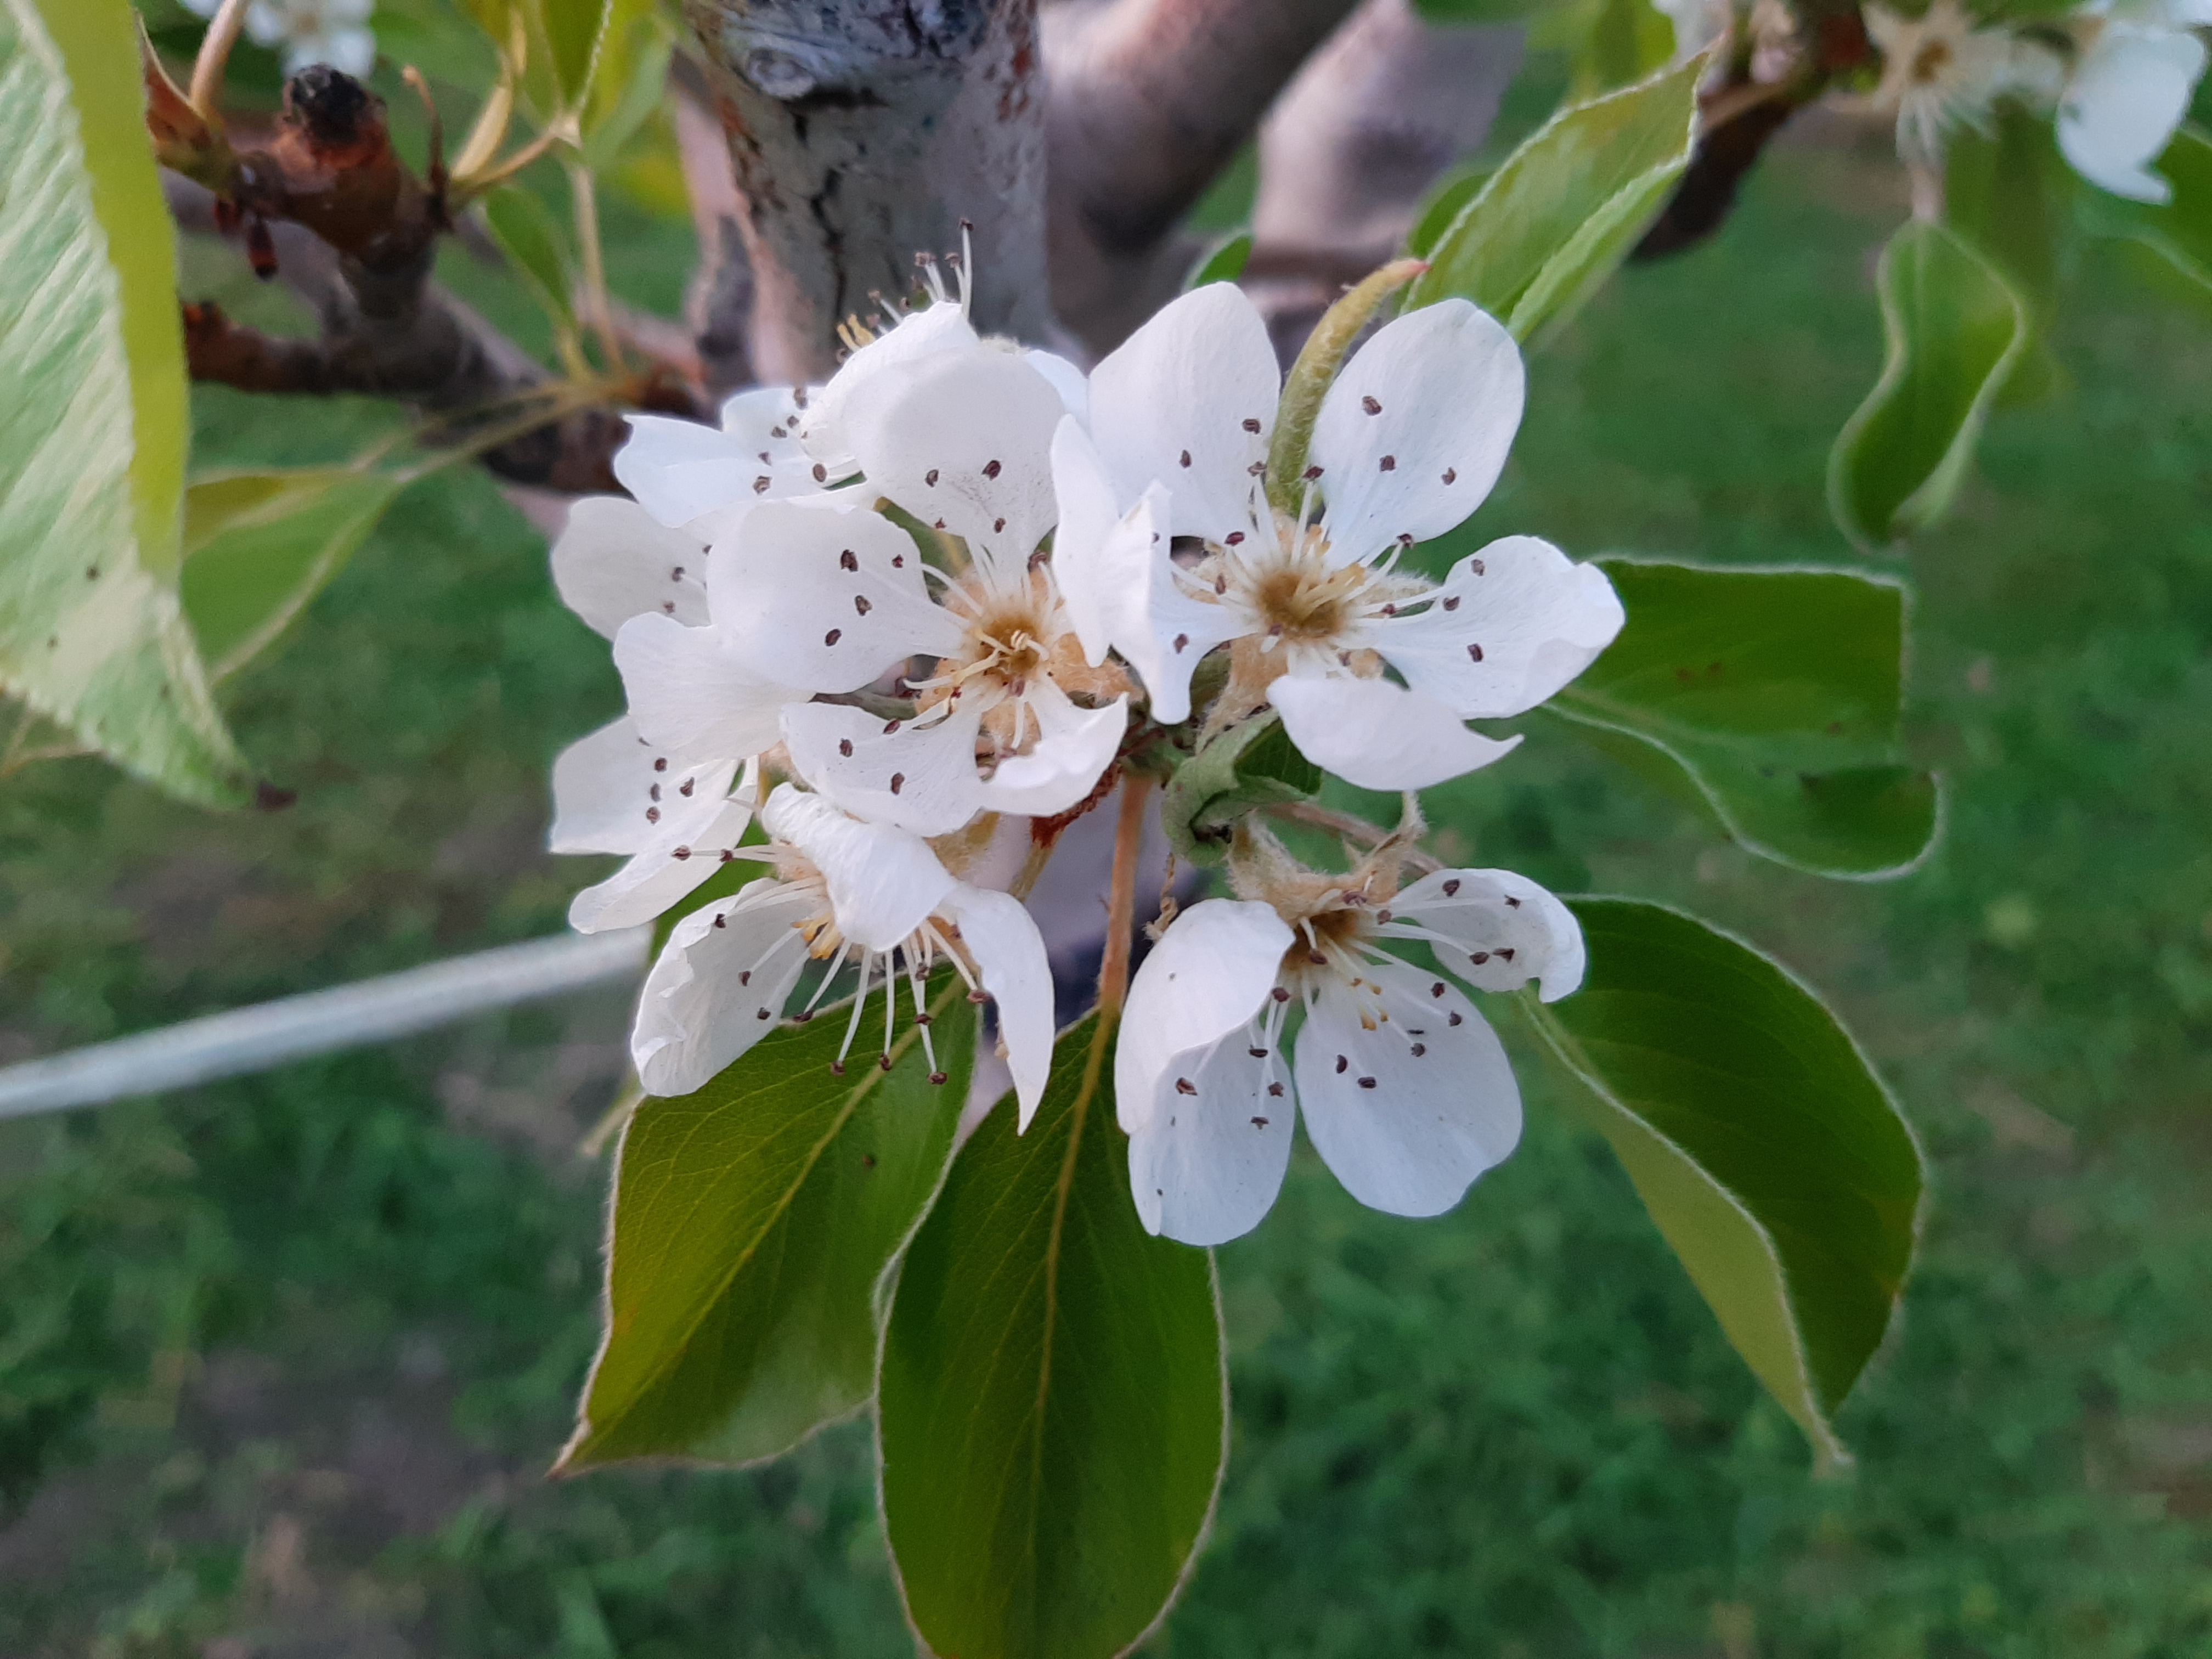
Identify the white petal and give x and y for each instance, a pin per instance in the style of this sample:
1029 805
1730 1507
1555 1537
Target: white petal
1099 554
1406 1133
1378 735
1415 430
883 882
963 441
1210 975
690 695
680 471
1067 380
2126 98
719 986
686 848
919 776
1205 1168
614 560
1063 765
1503 930
766 417
941 327
1188 401
1509 626
603 787
1010 960
824 600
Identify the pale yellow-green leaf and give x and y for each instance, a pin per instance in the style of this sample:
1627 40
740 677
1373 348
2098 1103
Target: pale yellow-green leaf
94 425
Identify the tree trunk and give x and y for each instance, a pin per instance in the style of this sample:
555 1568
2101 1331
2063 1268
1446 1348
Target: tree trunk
863 132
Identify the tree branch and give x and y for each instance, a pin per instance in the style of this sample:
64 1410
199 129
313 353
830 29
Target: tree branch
1353 145
863 132
1151 99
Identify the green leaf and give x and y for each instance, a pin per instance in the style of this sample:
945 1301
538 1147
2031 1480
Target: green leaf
1473 11
1457 189
2005 192
631 81
537 245
260 545
1625 41
2171 243
1253 764
574 30
1052 1402
753 1222
1224 261
1552 223
95 424
1955 328
1775 694
1767 1151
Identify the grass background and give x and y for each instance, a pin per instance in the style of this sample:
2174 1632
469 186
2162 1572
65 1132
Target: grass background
282 1360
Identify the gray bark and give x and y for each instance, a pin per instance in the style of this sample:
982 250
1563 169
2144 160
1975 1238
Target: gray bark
1356 143
1151 99
863 131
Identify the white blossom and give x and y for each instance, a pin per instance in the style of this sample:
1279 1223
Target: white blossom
1944 69
1405 1091
2138 70
845 894
1408 440
332 32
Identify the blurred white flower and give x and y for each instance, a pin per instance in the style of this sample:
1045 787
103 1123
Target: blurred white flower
1942 69
1406 1090
2129 89
332 32
845 894
1408 440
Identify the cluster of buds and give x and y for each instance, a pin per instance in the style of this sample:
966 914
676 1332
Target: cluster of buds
915 621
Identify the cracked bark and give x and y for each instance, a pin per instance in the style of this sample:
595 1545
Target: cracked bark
863 132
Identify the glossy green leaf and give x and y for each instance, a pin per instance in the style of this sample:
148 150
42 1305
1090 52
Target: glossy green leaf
1224 261
1563 211
753 1222
1624 41
1767 1151
1955 328
93 425
1775 695
1252 764
260 545
1052 1403
537 244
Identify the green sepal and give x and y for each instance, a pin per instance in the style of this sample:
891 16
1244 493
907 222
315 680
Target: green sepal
1251 764
753 1224
1766 1149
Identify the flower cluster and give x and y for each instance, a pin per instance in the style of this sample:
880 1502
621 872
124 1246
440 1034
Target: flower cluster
2119 73
887 635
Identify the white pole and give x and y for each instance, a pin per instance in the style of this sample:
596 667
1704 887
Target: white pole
320 1022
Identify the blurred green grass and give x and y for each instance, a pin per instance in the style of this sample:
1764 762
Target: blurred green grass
281 1360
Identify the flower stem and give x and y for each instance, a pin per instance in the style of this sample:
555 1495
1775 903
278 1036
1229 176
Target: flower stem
222 35
1121 898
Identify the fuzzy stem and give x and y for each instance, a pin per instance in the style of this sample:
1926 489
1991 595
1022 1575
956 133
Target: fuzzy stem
1315 369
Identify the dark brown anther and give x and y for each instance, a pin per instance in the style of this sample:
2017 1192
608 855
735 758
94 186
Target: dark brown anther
1451 601
1371 405
991 468
925 1020
833 636
1451 887
883 1061
1389 463
1367 1083
898 781
836 1068
1310 474
930 477
1251 425
1281 995
938 1078
975 996
861 604
1451 475
848 560
1185 1087
802 1017
1474 654
1342 1064
1275 1089
1419 1049
681 853
845 747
